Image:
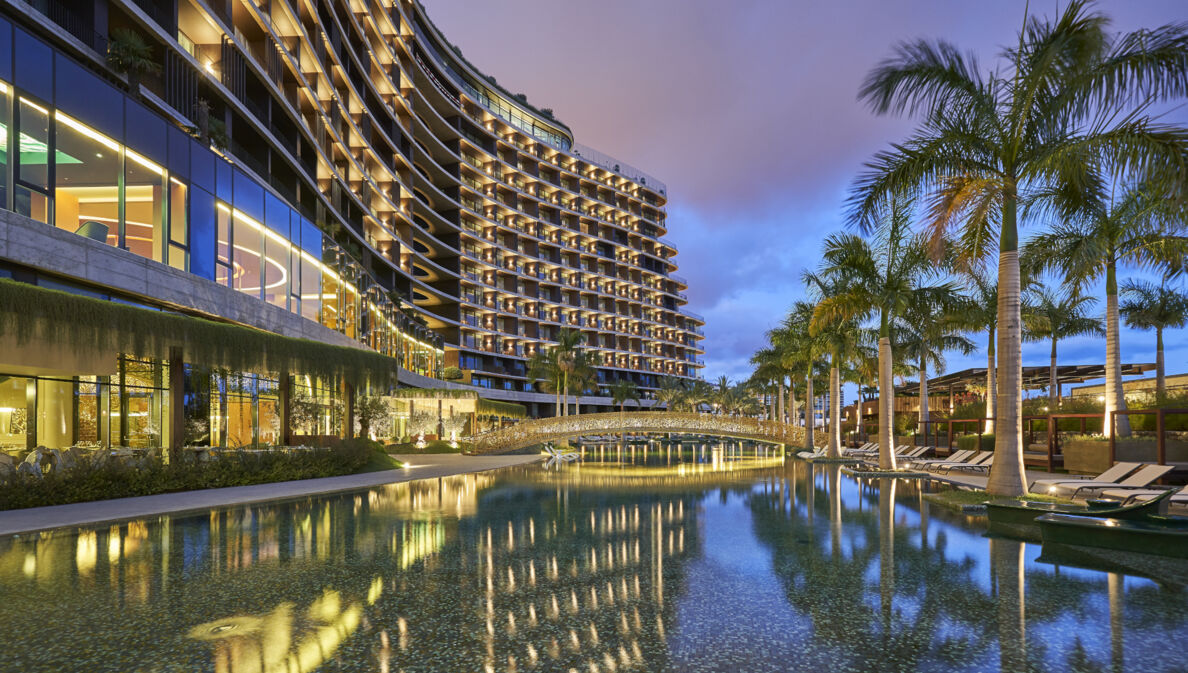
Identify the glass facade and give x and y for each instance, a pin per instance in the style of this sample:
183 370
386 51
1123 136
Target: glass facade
117 173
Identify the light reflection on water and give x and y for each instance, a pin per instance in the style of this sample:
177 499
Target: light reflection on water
674 560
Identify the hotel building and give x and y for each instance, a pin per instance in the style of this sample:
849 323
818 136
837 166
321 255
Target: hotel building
327 172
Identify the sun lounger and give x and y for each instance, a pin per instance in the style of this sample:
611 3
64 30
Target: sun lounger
973 466
956 457
974 459
1112 475
1131 495
1141 479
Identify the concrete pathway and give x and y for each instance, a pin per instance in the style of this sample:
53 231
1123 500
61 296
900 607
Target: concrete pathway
86 513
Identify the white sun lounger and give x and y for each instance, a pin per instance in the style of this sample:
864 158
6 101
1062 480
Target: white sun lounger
1141 479
1112 475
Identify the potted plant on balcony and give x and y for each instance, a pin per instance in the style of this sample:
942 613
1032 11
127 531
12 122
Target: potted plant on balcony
129 55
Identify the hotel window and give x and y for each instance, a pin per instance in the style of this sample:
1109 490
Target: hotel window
179 224
223 245
144 206
87 181
31 197
246 247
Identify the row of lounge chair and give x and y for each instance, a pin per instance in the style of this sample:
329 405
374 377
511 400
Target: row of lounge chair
1124 481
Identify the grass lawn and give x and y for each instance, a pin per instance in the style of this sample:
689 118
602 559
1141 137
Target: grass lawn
380 460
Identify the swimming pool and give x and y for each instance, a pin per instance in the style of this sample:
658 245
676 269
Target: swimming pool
740 563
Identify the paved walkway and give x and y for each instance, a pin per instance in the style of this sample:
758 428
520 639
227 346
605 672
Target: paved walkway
86 513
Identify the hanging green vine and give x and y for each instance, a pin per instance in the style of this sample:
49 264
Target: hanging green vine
30 314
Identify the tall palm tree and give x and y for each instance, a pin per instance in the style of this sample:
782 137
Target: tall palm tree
844 341
1102 232
544 369
768 376
721 393
671 392
1069 98
924 334
1052 316
800 350
977 311
1158 307
880 279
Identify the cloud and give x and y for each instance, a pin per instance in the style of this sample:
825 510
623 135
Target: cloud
749 113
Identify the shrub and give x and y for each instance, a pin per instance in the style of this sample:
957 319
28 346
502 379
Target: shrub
970 442
103 479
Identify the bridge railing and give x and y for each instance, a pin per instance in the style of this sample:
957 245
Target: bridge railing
542 430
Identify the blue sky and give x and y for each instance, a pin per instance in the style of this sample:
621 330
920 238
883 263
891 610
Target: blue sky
749 113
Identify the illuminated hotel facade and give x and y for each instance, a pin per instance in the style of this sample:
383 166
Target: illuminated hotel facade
332 171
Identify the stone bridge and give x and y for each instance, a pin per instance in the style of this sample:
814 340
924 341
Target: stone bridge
542 430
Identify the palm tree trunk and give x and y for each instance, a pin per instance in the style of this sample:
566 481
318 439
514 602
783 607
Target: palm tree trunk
1008 476
1114 396
790 405
808 411
780 403
1160 381
1053 391
924 396
834 450
991 387
886 406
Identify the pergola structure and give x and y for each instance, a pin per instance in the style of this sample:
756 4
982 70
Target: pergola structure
1033 377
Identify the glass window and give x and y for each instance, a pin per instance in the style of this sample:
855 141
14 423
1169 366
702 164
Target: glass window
223 240
276 270
202 226
311 287
5 124
33 160
245 255
179 229
55 413
144 206
87 177
13 414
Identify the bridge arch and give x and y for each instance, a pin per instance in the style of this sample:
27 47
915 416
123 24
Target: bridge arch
541 430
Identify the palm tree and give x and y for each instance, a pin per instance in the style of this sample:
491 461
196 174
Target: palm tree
976 311
1102 232
768 377
721 393
543 369
1052 316
881 280
1070 99
924 334
1149 306
800 350
844 341
671 392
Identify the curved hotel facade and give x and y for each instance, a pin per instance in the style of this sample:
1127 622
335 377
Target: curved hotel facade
329 172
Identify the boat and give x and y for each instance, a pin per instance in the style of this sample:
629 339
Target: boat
1017 518
1156 534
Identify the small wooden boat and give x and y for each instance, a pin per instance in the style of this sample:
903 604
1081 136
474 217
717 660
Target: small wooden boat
1017 518
1154 534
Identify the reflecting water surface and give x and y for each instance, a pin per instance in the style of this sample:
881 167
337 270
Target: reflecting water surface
739 562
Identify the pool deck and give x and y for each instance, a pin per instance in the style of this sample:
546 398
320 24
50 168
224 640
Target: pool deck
418 466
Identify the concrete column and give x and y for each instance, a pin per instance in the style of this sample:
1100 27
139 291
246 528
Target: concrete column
285 400
176 424
348 392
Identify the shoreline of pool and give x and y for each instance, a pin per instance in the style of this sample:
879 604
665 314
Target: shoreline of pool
83 514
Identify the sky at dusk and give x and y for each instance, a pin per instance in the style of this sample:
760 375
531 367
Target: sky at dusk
749 112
